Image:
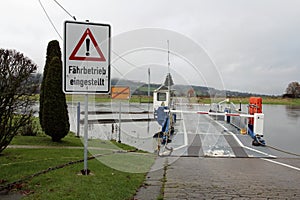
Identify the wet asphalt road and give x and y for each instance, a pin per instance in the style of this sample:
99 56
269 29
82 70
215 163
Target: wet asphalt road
210 163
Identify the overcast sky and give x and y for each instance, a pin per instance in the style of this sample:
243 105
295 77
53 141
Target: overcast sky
252 46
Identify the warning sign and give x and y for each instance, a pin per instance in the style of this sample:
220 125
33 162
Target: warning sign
86 58
120 92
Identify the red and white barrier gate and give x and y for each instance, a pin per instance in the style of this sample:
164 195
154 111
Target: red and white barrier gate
258 118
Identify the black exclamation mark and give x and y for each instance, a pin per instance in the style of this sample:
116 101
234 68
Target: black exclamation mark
87 42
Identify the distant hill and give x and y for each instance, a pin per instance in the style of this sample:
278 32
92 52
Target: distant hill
141 88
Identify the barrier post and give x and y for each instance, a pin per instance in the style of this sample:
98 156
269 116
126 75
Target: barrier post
258 125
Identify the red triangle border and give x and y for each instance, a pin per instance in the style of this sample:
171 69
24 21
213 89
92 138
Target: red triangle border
73 56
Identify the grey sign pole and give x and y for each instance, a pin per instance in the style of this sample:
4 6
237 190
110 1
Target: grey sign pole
86 101
78 119
119 122
148 128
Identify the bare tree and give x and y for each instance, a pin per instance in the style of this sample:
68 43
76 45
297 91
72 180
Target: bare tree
293 89
17 90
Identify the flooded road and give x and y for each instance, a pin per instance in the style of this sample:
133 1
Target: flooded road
281 127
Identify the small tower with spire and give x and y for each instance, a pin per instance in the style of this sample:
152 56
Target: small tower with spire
162 95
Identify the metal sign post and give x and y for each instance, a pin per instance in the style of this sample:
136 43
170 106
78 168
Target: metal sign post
86 115
120 93
148 127
119 122
86 65
78 119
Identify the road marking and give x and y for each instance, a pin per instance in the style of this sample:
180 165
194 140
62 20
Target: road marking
184 134
269 160
241 144
280 163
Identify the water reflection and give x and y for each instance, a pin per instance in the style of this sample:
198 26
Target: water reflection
293 112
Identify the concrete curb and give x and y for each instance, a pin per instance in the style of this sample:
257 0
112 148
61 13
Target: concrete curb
153 184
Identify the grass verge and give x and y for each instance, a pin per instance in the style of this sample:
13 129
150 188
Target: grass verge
69 140
66 183
126 147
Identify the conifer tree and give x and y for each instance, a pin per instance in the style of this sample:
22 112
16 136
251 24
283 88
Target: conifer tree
53 50
55 113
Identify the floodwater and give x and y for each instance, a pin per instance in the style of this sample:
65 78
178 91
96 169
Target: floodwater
138 134
281 126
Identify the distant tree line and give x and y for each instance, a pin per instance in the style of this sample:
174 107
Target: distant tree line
292 91
199 91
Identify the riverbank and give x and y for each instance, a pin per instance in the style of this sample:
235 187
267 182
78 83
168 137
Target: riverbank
269 100
245 100
100 98
203 100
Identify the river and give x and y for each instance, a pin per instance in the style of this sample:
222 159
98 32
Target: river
282 127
